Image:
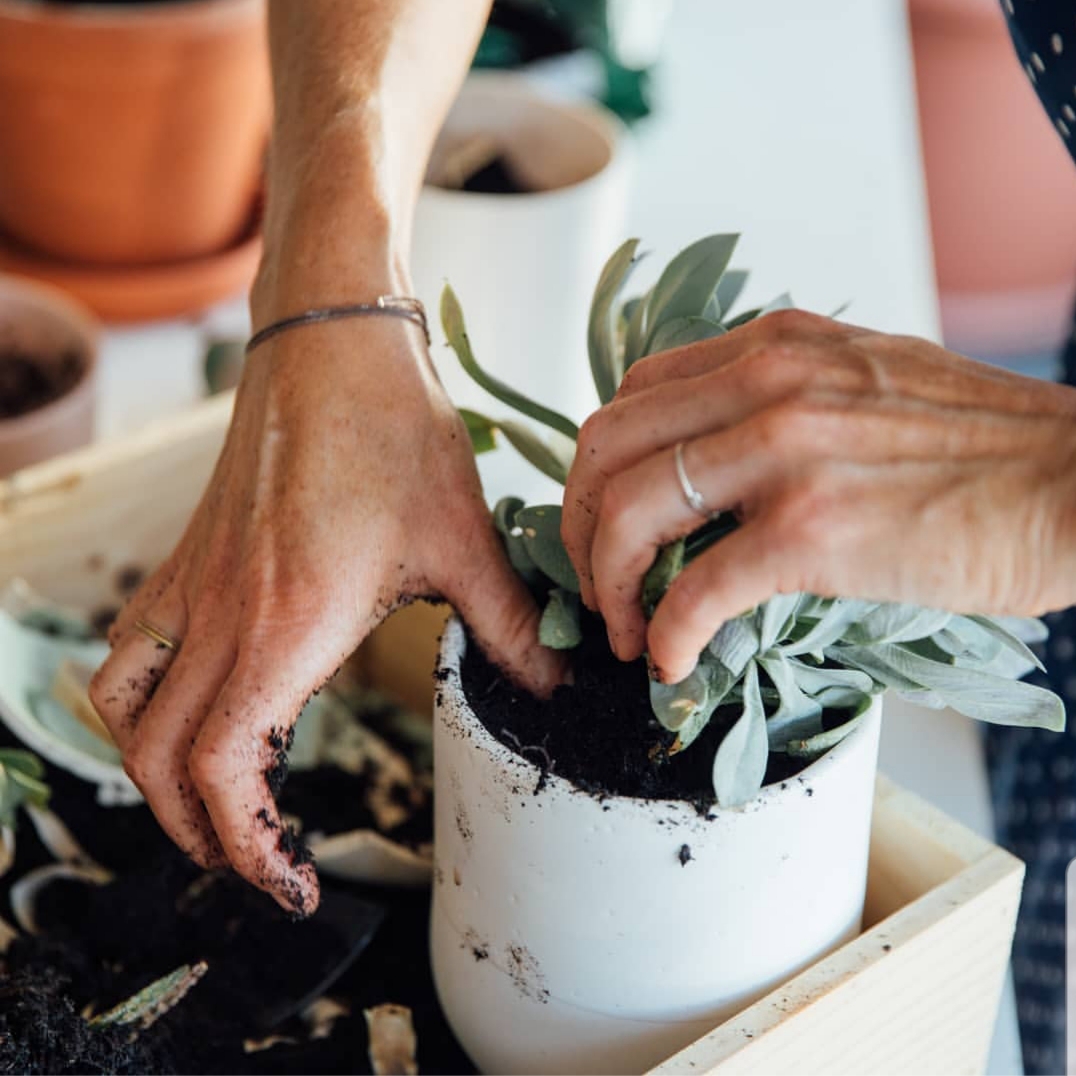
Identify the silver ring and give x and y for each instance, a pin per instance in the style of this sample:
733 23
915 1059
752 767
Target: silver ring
692 497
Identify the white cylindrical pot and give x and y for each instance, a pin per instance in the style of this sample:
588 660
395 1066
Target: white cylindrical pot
568 936
523 265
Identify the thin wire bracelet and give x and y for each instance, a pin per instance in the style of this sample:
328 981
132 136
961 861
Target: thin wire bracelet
393 306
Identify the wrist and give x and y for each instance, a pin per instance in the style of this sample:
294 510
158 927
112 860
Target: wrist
333 232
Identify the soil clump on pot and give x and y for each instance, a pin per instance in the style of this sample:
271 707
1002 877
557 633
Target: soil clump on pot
29 382
600 732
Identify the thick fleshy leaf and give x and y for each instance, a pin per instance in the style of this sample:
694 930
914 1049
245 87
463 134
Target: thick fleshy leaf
689 281
740 762
683 331
602 347
1014 634
728 291
894 622
504 514
559 627
552 459
686 707
782 302
818 744
540 529
797 716
456 332
480 430
743 319
978 694
635 332
736 643
815 681
775 617
835 621
666 567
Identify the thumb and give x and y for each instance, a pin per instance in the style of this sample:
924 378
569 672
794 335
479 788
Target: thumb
500 612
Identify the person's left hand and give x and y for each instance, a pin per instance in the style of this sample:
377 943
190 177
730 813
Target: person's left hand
860 464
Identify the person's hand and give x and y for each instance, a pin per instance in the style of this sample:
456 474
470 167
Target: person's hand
346 488
859 464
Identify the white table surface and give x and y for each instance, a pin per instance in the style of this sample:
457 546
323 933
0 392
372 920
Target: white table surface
793 123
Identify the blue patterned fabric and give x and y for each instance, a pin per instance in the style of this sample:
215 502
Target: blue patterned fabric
1032 772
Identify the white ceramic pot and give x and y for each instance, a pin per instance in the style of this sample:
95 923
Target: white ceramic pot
568 936
523 265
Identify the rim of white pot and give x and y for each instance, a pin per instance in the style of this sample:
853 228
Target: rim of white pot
599 120
39 299
451 696
102 15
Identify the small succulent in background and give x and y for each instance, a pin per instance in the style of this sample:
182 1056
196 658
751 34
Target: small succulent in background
801 669
21 782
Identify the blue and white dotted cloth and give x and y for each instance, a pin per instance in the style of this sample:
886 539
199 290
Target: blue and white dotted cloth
1032 772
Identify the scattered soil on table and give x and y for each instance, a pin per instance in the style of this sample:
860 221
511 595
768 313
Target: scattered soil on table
366 945
28 383
600 732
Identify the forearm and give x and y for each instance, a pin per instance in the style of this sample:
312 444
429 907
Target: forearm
361 89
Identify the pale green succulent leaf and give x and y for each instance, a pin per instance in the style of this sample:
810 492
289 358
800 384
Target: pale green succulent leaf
811 747
480 429
559 627
1004 630
895 622
635 331
456 332
666 567
740 762
775 618
969 691
797 716
683 331
782 302
736 643
689 281
21 783
815 681
691 701
539 526
552 459
840 614
728 291
504 514
742 319
602 345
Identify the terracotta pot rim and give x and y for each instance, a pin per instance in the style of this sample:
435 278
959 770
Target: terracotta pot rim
150 14
44 296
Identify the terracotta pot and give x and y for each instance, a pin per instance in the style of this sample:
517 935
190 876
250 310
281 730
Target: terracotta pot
1000 182
133 134
39 321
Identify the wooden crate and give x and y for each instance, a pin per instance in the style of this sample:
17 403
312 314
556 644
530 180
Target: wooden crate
916 992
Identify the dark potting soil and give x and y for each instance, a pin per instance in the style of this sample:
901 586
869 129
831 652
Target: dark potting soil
600 733
365 946
497 177
27 383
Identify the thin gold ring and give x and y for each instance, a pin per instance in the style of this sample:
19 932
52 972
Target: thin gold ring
161 638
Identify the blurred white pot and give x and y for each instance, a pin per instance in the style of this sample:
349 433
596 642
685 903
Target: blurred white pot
568 936
523 265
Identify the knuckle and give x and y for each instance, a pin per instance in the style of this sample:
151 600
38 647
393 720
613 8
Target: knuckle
591 435
791 323
138 766
207 765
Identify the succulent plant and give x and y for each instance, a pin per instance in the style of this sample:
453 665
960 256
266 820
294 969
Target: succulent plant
21 783
802 669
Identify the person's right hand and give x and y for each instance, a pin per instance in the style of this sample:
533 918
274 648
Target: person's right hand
346 488
860 464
